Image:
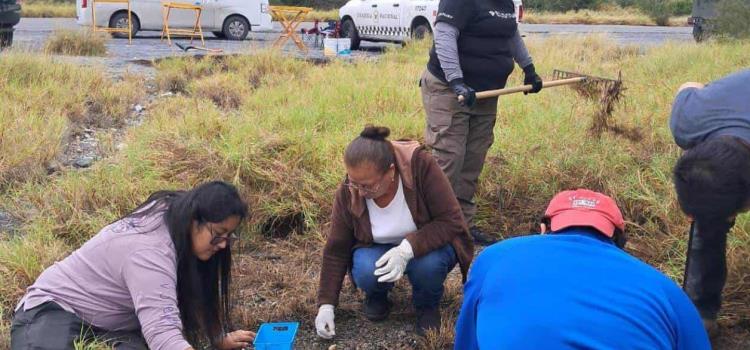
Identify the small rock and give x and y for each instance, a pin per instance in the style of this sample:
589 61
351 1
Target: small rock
84 162
138 108
166 94
53 166
7 222
121 146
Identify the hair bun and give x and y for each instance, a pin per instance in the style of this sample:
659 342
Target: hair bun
379 133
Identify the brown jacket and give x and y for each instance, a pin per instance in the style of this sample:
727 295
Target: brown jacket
432 204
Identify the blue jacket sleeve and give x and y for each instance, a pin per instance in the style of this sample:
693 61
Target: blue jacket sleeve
690 332
466 325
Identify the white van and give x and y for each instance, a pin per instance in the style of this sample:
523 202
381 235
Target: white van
230 19
392 20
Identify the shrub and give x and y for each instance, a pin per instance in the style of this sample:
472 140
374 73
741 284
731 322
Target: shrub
732 18
77 43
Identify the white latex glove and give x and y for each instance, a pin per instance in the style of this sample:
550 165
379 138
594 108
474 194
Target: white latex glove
393 263
325 319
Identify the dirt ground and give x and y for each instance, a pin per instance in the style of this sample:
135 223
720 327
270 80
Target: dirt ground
276 280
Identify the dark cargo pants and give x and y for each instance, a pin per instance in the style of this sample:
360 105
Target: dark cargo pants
50 327
459 137
706 266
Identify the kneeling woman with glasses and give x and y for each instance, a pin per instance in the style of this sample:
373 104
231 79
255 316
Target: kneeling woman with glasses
394 214
157 278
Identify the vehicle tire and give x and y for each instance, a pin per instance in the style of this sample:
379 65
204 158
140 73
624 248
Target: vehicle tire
6 39
236 28
421 31
120 20
219 35
349 30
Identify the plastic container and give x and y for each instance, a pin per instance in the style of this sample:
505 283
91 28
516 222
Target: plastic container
276 336
337 47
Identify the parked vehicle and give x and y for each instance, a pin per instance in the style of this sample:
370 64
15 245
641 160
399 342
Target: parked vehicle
10 15
230 19
392 20
704 11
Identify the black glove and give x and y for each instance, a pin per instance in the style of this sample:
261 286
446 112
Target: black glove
461 89
531 78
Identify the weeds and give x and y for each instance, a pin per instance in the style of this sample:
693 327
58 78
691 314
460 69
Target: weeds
281 143
77 43
323 15
48 9
46 101
732 17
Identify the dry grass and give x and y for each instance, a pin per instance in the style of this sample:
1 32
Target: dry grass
21 263
48 9
77 43
223 89
609 16
46 101
323 15
281 144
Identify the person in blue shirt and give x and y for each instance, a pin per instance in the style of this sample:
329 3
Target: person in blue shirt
574 288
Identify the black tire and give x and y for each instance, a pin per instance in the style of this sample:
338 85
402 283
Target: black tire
6 39
236 28
349 30
120 20
219 35
421 31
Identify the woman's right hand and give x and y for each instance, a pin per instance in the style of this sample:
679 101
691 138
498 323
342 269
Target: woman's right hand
236 340
324 322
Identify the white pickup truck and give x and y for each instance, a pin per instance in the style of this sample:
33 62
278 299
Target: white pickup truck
392 20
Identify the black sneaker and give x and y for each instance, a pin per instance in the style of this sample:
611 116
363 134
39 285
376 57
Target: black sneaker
480 237
428 319
377 308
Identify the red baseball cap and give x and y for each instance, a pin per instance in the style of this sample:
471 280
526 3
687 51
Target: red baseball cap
584 208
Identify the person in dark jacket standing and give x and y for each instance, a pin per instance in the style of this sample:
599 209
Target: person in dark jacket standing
476 42
712 179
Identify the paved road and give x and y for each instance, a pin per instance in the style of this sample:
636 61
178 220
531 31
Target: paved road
626 35
31 34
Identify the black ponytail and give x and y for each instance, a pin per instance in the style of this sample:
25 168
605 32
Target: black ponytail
371 146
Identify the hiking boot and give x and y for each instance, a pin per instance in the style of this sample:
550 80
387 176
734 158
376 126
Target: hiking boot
712 328
428 319
377 308
480 237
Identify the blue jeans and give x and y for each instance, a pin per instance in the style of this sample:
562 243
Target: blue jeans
426 274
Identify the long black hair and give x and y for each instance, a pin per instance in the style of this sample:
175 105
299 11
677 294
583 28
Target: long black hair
202 286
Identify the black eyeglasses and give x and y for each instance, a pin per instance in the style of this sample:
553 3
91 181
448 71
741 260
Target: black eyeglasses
216 239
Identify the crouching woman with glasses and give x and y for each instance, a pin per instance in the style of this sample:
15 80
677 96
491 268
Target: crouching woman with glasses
394 215
157 278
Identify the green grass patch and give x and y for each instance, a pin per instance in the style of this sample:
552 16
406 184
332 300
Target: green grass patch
45 101
281 133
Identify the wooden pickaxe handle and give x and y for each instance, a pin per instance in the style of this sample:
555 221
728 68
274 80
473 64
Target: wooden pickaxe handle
523 88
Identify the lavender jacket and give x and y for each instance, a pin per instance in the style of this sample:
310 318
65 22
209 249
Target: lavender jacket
124 278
